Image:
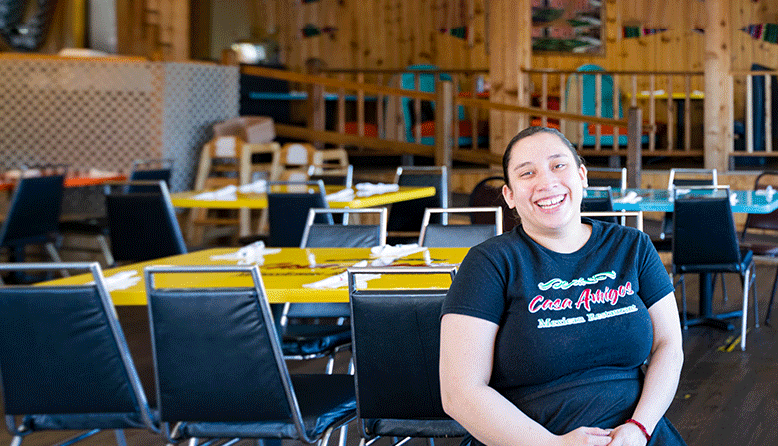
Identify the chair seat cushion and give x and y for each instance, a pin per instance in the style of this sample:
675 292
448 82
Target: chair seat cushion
747 258
314 339
332 396
434 428
85 421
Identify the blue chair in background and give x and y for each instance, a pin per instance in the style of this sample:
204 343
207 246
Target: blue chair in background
64 361
427 84
288 203
584 102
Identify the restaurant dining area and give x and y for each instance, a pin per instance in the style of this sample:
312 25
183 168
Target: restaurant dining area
470 222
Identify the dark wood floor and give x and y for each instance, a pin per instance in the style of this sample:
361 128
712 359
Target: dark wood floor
726 397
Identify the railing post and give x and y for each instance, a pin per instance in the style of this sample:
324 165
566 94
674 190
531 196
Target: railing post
444 116
634 154
316 108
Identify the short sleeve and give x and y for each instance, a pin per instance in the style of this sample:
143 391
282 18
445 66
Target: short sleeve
478 288
655 283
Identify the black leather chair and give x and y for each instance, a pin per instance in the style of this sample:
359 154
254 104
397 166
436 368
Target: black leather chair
33 216
310 340
288 205
149 170
143 226
614 177
405 217
683 178
763 242
64 361
599 199
459 235
220 372
396 348
487 193
705 242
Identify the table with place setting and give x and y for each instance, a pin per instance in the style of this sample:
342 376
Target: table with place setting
289 274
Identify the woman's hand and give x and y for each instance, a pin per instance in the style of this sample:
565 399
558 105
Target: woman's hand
586 436
627 435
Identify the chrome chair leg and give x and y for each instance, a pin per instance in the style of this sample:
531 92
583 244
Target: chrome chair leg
744 317
120 438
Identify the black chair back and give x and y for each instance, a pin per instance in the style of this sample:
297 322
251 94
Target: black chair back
150 170
459 235
64 361
407 215
598 199
396 346
218 363
704 234
487 193
143 226
319 235
288 210
34 212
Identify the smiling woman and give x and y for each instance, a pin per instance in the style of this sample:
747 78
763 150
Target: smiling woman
550 324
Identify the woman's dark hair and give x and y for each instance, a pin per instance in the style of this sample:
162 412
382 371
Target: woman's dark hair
529 131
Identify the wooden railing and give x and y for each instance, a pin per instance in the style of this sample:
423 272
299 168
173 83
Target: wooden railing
389 140
662 96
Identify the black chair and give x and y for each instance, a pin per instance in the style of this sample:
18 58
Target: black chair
488 193
396 347
64 361
33 217
614 177
705 242
763 243
303 327
288 205
332 177
463 235
143 226
683 178
405 217
149 170
220 372
599 199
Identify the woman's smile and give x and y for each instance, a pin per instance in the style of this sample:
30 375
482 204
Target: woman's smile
550 203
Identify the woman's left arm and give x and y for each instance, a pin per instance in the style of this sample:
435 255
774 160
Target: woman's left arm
662 375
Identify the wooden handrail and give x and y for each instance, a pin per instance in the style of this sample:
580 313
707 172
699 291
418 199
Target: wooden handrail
620 72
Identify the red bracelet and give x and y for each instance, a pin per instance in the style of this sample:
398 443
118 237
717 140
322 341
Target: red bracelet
641 427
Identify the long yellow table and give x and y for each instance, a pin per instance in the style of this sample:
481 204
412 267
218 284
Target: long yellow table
259 201
283 273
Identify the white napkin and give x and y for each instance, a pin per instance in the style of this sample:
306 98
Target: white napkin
768 192
631 197
340 280
368 189
121 281
341 195
257 187
97 173
733 198
225 193
396 251
250 254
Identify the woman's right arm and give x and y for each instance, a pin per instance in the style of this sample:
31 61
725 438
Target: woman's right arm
466 357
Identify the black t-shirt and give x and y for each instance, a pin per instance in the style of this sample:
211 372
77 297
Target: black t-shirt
562 317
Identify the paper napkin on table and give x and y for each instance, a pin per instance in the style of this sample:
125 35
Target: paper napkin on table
631 197
249 255
368 189
733 198
346 194
340 280
396 251
768 192
225 193
120 281
97 173
257 187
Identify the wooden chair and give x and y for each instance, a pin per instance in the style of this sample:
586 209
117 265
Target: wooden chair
228 160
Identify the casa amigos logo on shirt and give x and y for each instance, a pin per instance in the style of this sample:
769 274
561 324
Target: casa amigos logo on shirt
587 296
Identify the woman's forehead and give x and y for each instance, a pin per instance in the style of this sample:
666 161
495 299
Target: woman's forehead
539 147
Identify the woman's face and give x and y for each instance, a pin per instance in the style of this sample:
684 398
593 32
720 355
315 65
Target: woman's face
546 184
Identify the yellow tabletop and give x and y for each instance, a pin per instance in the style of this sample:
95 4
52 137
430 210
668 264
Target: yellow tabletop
283 273
259 201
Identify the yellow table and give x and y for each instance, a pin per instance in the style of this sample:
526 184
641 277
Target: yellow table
283 273
259 201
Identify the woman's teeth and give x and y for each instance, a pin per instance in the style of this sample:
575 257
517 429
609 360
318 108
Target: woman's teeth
550 202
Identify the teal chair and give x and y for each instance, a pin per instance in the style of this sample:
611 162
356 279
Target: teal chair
427 84
587 105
